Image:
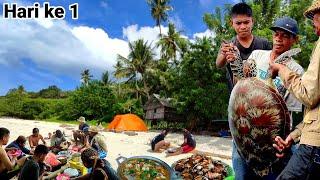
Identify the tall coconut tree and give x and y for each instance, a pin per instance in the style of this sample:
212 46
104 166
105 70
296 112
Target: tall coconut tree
159 10
105 78
169 44
86 76
136 66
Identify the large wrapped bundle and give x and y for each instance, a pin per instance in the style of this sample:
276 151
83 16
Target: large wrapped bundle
257 114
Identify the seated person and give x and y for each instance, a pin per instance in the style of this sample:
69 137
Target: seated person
158 143
8 168
56 141
188 145
96 141
19 144
33 167
79 135
101 169
35 138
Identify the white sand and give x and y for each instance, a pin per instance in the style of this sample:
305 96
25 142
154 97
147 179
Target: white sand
124 145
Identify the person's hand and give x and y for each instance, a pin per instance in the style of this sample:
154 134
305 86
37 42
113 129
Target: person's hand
230 56
225 47
281 145
274 69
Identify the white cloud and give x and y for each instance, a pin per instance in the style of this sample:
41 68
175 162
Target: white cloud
150 34
206 33
58 47
55 46
176 20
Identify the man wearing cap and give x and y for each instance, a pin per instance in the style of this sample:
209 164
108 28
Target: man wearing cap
79 135
96 141
285 35
305 162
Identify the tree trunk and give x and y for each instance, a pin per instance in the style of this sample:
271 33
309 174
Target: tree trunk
160 29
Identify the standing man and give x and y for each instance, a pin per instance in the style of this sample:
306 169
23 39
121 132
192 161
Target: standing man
242 22
285 35
305 162
245 41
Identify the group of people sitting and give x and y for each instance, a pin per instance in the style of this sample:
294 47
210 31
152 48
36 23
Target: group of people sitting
29 164
158 144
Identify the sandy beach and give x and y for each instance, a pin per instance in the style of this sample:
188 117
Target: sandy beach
120 144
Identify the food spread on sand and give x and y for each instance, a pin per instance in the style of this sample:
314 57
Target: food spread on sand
200 167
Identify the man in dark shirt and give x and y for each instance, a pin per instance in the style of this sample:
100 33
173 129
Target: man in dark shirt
31 168
19 144
245 42
158 144
79 135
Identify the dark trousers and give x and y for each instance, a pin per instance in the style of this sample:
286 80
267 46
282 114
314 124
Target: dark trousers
303 165
244 172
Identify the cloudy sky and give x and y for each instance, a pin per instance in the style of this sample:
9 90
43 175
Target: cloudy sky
37 53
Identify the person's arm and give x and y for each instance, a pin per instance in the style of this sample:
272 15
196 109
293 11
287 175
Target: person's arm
293 104
42 139
11 147
221 60
6 161
25 150
102 144
305 88
184 142
282 145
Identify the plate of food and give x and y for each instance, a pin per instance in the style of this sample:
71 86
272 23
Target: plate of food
144 167
14 153
200 167
63 177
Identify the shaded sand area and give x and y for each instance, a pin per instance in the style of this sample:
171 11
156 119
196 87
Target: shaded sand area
123 144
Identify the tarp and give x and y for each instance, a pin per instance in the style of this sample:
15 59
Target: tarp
127 122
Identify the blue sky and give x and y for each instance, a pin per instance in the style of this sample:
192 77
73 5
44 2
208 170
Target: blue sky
41 52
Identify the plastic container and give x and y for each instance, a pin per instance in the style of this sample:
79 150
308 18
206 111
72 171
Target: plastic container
79 166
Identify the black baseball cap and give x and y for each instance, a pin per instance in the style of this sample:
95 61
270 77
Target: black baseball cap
287 24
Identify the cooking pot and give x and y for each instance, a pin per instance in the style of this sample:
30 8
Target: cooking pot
123 160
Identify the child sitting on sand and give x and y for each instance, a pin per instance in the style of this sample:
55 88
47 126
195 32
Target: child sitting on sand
35 138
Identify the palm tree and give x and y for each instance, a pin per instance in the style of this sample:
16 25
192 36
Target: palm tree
136 66
86 76
170 44
105 78
159 10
